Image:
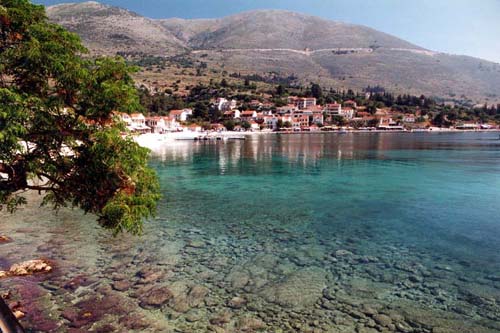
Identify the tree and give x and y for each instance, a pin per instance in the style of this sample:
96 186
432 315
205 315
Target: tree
245 125
280 90
229 125
58 131
279 124
339 120
316 91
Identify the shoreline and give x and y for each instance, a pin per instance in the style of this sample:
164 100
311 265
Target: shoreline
155 140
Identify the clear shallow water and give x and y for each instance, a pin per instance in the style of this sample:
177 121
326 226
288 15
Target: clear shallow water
292 233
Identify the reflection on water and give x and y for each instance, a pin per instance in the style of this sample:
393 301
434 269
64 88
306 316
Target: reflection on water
287 233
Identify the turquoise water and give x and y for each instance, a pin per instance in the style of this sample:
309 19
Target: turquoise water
284 233
437 193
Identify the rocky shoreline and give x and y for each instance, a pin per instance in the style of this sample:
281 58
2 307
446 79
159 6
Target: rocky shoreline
179 278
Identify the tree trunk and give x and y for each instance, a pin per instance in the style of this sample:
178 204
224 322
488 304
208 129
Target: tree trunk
8 322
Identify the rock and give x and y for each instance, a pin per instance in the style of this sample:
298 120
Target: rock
134 322
382 320
80 318
221 319
495 278
30 267
367 310
148 275
197 295
194 316
404 327
78 281
237 280
122 285
361 329
156 297
415 278
343 253
196 244
180 304
106 329
19 314
3 274
4 239
251 324
329 294
301 289
237 302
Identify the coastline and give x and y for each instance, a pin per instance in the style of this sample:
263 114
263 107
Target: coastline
154 140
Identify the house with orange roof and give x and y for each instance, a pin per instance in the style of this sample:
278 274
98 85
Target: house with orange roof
350 103
248 115
181 115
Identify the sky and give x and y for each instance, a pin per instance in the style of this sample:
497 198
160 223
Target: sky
468 27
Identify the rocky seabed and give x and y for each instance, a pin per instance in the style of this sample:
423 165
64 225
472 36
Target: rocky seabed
240 279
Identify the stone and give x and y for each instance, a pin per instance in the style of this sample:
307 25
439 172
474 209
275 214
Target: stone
106 329
156 297
404 327
197 295
196 244
367 310
237 279
148 275
237 302
249 324
4 239
382 320
194 316
415 278
78 281
301 289
221 319
180 304
30 267
121 285
134 322
343 253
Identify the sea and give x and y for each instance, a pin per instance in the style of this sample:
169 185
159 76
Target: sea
327 232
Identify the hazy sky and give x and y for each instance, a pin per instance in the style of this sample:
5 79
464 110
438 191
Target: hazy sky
470 27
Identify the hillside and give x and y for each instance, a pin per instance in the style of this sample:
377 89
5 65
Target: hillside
332 53
107 30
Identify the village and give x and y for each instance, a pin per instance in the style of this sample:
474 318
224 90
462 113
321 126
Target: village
301 114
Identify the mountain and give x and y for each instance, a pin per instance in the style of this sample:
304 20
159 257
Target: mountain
272 29
107 30
332 53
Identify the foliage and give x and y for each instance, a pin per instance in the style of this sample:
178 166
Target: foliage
245 125
229 125
58 133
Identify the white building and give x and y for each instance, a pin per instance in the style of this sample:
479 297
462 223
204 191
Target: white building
225 105
181 115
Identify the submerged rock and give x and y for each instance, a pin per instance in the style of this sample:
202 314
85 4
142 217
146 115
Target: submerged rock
122 285
28 268
251 324
300 289
221 319
237 302
155 297
4 239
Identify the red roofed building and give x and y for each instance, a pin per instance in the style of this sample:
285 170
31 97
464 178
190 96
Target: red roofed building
248 115
351 103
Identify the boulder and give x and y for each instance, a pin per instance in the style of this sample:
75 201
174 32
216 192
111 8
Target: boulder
30 267
155 297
